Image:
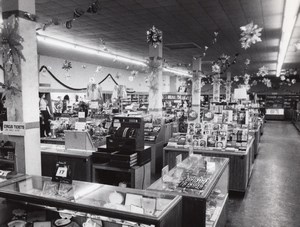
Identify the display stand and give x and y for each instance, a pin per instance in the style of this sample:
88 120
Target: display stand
200 207
240 168
111 168
111 206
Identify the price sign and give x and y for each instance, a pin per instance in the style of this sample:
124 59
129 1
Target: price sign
62 173
178 159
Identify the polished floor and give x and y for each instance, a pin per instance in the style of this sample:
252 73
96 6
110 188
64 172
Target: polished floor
273 196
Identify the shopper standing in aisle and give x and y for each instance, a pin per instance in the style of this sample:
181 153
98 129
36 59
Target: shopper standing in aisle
45 115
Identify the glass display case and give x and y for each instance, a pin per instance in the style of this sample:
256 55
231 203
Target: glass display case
203 183
96 203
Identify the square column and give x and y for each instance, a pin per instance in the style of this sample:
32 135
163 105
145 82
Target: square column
23 105
196 89
156 81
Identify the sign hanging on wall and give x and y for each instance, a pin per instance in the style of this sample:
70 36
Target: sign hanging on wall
13 128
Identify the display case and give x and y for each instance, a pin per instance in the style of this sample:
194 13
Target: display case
241 162
102 205
203 184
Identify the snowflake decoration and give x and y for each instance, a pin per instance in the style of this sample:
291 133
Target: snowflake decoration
247 61
67 65
224 58
216 68
247 76
263 71
154 36
250 35
267 82
254 83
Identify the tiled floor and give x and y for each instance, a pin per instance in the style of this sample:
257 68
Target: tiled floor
273 197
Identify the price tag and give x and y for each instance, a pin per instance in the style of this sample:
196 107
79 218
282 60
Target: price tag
178 159
61 171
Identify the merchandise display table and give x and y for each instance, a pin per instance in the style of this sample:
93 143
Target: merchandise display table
79 160
105 205
240 168
203 184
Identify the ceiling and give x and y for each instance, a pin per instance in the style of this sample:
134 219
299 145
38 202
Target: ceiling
122 25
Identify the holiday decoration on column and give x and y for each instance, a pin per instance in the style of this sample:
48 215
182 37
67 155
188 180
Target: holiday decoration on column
11 50
154 36
154 65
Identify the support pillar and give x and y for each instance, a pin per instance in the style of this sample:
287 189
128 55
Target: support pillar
216 88
196 90
228 87
23 106
156 81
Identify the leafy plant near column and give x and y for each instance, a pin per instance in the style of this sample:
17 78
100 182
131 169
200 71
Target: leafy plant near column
11 50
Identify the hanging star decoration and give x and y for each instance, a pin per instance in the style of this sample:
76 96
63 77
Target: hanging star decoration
262 71
267 82
11 45
247 61
250 35
133 75
98 69
246 78
67 65
254 82
154 36
216 68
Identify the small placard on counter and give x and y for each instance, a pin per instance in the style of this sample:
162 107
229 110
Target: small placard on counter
80 126
178 159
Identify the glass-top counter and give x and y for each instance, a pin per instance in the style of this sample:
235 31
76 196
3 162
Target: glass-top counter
195 176
98 199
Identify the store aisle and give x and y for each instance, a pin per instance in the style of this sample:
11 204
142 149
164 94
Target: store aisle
273 197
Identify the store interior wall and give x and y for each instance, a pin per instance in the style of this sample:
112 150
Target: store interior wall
80 73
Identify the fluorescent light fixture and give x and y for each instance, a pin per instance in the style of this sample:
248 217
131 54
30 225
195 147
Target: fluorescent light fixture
290 15
104 54
176 71
88 50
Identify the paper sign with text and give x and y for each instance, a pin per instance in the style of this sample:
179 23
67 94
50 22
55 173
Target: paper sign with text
13 128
